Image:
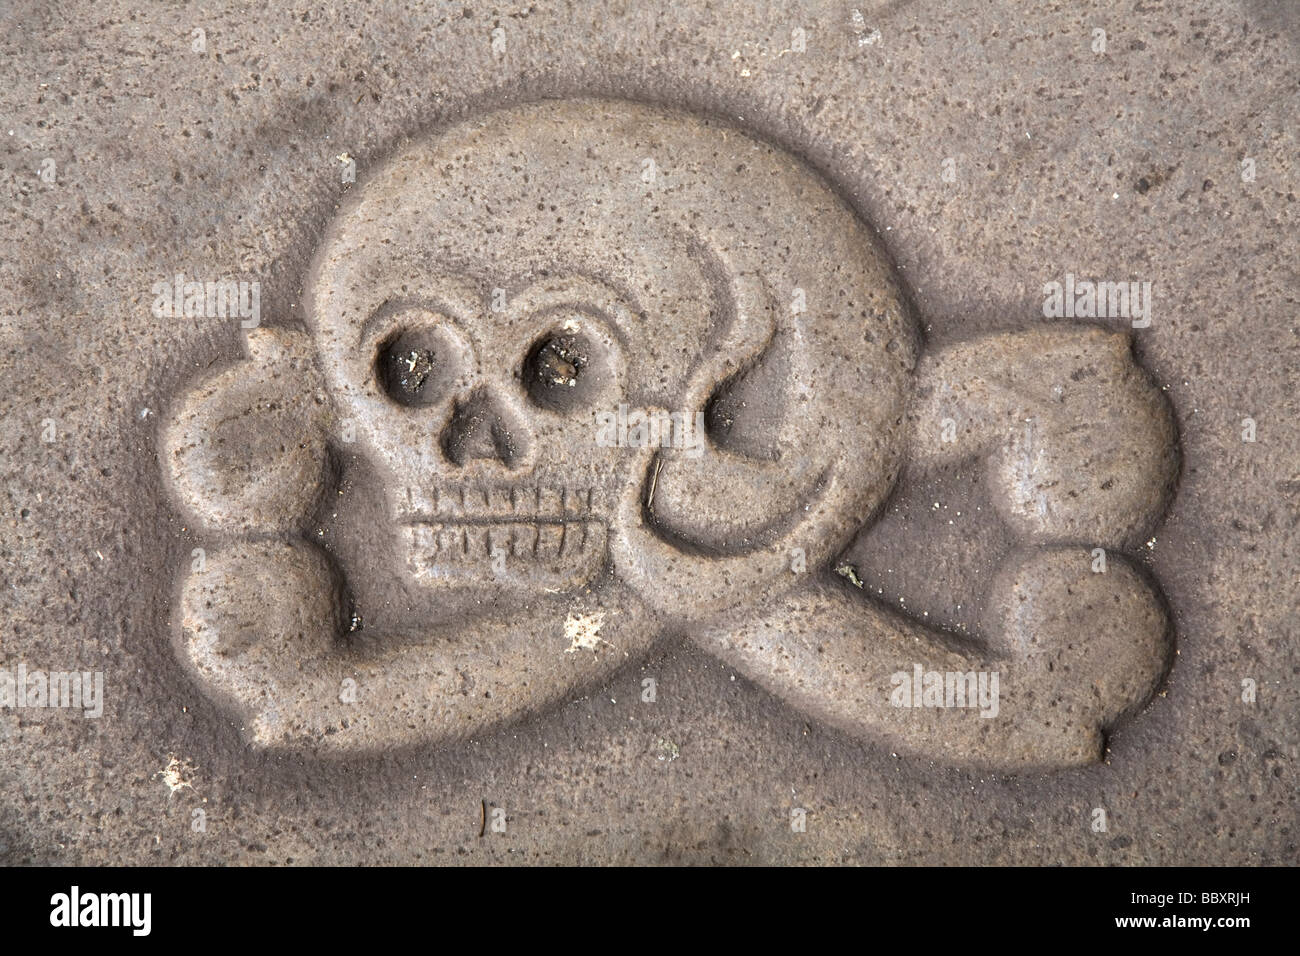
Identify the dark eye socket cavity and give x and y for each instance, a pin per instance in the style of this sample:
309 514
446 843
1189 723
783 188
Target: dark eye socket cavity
409 370
410 367
558 361
559 371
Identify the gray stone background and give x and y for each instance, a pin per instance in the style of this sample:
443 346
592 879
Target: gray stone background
1124 164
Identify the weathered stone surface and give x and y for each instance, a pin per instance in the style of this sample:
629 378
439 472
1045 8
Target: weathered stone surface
368 566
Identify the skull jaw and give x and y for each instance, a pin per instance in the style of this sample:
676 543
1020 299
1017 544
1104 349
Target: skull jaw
543 532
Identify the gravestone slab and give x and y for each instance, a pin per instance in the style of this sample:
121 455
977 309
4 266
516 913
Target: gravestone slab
649 433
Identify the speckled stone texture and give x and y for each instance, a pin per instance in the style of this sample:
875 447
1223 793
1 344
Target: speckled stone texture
993 147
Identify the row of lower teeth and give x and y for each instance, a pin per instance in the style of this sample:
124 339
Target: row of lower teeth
521 539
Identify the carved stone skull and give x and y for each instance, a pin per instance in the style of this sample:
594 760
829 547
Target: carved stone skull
491 290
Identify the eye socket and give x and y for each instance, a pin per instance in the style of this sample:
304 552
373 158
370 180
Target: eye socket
565 369
416 365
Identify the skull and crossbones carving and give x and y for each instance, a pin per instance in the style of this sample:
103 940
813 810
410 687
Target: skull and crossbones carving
487 292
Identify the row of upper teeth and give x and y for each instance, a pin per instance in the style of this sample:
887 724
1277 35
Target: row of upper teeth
534 502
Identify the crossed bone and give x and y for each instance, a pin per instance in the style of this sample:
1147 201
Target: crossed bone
263 624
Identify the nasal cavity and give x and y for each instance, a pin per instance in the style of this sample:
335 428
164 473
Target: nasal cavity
481 429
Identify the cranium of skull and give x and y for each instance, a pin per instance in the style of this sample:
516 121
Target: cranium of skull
471 357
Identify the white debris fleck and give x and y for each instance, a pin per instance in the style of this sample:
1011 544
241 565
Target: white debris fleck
860 28
174 774
582 631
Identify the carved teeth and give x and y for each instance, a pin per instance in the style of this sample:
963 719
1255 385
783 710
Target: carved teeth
550 540
533 536
550 501
577 502
465 504
557 554
524 543
474 542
